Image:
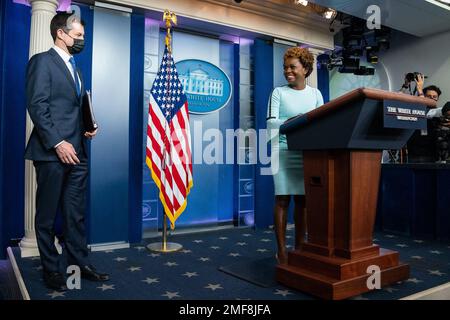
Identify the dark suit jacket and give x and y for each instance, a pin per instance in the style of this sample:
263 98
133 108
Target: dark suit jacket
53 106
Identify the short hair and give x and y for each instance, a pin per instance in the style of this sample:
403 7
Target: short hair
446 108
63 20
434 88
305 57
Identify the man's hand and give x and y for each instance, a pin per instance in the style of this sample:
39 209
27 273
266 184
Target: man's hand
419 84
67 153
91 134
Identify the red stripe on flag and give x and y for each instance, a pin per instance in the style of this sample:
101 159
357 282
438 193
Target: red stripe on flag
159 128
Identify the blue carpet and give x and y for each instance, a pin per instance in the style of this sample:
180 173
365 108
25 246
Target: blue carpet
194 274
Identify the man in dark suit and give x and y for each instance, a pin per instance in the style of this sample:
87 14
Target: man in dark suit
57 146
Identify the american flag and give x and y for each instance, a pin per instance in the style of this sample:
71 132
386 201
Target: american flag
168 152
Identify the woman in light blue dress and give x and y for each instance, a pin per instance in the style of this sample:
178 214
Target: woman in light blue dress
287 165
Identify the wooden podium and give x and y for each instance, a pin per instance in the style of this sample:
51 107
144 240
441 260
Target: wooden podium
342 144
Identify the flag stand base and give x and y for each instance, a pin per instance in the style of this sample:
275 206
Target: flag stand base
159 247
164 246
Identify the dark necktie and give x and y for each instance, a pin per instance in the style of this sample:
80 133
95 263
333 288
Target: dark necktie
77 83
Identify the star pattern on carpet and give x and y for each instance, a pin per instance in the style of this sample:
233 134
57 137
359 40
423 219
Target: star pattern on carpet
414 280
154 255
150 280
133 269
171 295
105 287
204 259
119 259
56 294
234 254
436 272
213 287
190 274
283 293
171 264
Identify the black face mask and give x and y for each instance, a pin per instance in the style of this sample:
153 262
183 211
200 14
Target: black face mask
77 47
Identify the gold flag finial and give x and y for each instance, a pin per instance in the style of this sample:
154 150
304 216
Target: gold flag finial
170 18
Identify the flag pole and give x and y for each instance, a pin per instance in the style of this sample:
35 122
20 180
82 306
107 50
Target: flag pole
165 246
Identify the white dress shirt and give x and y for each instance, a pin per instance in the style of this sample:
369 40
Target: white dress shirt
66 57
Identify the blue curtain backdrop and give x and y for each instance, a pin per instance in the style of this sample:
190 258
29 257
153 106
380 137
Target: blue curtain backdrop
323 81
136 124
15 35
264 191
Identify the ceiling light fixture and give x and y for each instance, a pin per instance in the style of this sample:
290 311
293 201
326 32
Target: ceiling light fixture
302 2
329 14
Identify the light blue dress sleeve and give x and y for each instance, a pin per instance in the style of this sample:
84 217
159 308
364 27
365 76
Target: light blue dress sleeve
273 110
273 116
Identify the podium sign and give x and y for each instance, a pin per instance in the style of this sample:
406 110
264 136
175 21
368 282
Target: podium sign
399 114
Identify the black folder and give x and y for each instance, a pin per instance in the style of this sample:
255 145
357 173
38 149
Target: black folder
88 113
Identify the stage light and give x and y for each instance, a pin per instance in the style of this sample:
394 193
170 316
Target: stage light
373 59
349 65
364 71
371 54
329 14
302 2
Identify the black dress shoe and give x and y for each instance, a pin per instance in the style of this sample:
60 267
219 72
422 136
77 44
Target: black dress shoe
89 273
55 281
